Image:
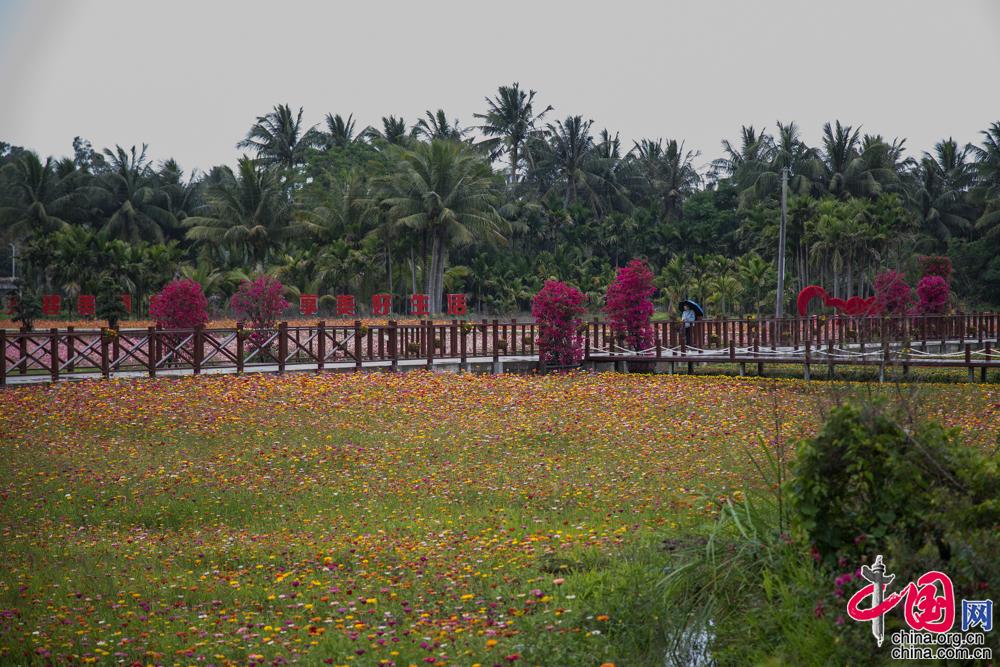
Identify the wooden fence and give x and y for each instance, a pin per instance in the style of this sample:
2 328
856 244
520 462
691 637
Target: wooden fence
926 340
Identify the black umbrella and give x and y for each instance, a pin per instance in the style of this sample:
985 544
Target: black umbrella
695 306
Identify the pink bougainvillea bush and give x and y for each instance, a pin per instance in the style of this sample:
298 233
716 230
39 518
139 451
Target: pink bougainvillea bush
933 294
558 310
893 295
629 305
179 305
259 302
935 265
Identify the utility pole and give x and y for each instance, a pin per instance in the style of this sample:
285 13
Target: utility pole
780 296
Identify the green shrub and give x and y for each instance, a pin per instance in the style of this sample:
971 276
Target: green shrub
865 478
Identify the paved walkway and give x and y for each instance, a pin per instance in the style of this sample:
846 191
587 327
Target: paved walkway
447 365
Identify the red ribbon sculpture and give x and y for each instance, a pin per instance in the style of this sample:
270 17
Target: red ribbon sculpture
853 306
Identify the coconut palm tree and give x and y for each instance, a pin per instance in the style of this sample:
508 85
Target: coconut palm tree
447 193
341 133
987 188
39 201
344 210
761 178
278 139
846 173
435 125
393 131
938 195
246 212
754 152
663 173
509 124
575 167
136 209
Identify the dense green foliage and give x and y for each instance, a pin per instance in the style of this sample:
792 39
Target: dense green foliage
497 208
874 480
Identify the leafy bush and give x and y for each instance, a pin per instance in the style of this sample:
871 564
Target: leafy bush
27 308
933 294
865 479
109 304
893 295
558 310
629 305
260 302
871 482
935 265
179 305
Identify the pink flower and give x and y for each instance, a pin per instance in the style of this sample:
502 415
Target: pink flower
629 304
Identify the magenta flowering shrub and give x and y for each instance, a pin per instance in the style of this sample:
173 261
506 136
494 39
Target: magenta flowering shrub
629 304
933 294
558 310
259 302
893 295
935 265
179 305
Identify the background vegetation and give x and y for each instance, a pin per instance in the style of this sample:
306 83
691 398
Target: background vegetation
496 207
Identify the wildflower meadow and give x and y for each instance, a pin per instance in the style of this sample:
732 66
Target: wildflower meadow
378 519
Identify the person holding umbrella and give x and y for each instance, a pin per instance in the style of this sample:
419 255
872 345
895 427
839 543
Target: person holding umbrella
690 311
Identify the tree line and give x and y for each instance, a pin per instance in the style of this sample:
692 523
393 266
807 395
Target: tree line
496 207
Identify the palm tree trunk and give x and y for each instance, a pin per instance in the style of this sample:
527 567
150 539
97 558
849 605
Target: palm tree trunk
413 273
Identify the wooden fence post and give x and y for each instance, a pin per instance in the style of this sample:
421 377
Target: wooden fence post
70 349
240 339
808 346
756 348
282 345
968 362
105 371
320 345
3 357
496 343
357 346
462 350
198 349
23 351
54 354
431 337
982 371
151 359
394 345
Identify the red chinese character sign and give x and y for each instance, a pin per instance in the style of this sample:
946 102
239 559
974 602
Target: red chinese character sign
928 603
51 304
11 304
381 304
456 304
86 304
419 304
308 304
127 303
345 304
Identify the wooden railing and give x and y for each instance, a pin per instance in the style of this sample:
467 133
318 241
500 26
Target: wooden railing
60 353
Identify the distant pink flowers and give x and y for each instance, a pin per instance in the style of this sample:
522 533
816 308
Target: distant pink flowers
934 293
629 304
558 309
259 301
893 295
179 305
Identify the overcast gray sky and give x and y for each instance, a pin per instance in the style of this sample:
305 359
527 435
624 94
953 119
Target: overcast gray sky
189 77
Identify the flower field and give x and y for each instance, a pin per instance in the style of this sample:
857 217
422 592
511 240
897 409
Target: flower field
375 519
